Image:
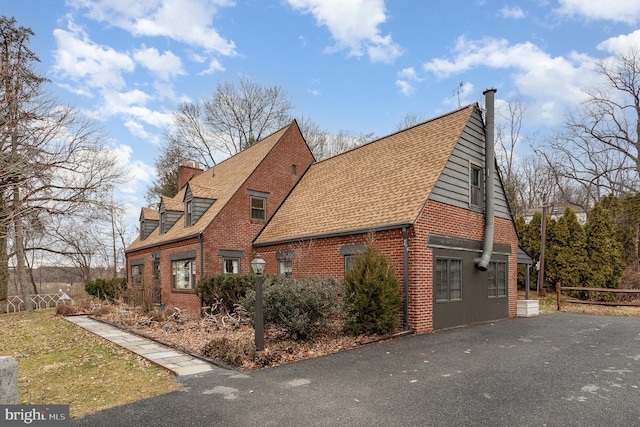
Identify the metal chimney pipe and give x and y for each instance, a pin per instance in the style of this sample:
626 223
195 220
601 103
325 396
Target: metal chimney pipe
482 263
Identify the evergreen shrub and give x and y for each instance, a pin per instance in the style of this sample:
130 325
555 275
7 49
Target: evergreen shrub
371 295
106 288
301 308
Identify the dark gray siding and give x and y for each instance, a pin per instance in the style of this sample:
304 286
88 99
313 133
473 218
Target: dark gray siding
171 217
200 205
452 186
146 227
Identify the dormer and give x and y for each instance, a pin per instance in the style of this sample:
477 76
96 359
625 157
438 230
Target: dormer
196 202
170 211
149 220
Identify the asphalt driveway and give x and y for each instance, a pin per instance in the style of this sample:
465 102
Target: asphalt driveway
552 370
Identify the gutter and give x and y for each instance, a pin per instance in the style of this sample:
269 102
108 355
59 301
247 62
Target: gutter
482 263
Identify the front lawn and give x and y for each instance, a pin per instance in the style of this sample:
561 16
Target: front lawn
60 363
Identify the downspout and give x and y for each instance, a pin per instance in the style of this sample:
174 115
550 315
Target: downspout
201 255
405 277
482 263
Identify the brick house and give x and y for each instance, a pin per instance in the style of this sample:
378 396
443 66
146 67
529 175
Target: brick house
418 195
208 227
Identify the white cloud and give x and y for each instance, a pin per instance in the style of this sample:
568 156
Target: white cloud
214 66
354 25
406 79
82 60
621 44
165 66
553 82
512 12
618 11
186 21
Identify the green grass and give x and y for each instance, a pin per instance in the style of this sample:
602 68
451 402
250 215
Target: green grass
60 363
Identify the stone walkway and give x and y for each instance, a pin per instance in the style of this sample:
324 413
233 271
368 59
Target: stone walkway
166 357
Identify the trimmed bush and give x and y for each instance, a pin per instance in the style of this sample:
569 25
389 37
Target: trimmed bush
371 295
231 350
300 308
106 288
228 288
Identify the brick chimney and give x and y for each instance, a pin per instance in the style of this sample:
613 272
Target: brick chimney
186 171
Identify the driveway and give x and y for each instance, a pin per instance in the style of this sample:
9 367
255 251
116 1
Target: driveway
552 370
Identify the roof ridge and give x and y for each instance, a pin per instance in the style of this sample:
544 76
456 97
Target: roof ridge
252 145
474 104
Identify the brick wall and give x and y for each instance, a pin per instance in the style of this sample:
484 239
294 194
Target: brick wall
232 228
322 256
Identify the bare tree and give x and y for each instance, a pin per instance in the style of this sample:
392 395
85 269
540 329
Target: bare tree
236 116
508 135
190 137
599 147
324 144
53 161
410 119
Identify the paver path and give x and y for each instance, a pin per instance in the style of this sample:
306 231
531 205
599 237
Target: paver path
167 357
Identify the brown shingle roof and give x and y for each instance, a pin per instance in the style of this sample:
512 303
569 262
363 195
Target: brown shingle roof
172 204
152 214
380 184
228 178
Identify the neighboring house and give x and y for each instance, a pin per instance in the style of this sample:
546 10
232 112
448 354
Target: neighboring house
207 228
418 195
556 210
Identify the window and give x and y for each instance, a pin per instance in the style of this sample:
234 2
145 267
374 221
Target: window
137 274
258 208
475 186
188 213
285 267
497 279
231 266
163 222
183 274
349 262
448 280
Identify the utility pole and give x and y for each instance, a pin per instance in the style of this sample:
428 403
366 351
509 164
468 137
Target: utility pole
543 241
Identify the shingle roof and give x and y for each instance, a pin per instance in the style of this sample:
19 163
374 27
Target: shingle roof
228 178
152 214
383 183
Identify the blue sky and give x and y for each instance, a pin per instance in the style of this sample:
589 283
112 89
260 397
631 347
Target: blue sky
358 65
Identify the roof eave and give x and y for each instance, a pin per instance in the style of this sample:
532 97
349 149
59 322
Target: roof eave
336 234
164 242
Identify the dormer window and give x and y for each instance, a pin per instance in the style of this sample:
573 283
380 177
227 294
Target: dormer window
188 213
163 222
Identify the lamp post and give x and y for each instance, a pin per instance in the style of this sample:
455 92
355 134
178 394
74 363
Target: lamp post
258 267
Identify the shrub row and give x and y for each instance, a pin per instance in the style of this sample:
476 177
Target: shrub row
106 288
227 288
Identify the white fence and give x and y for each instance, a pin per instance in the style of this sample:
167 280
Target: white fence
40 301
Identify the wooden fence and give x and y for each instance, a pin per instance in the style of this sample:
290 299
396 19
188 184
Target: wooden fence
559 290
40 301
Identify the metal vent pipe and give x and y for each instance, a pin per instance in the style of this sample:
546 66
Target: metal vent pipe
482 263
